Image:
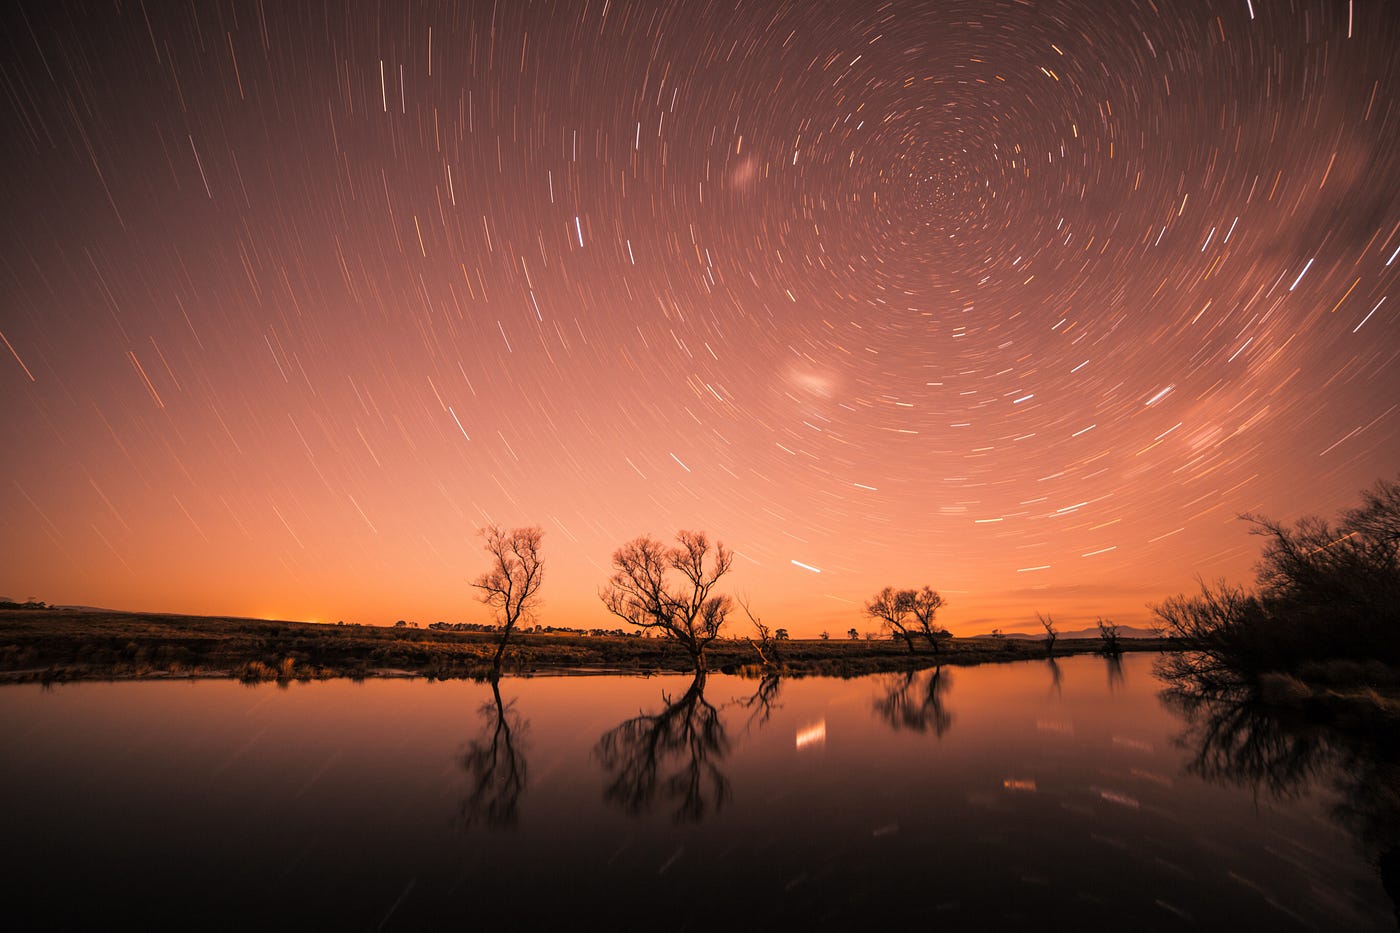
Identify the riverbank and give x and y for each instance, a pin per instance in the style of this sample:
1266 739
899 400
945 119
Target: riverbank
54 645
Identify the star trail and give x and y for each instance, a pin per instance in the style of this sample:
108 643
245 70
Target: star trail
1027 301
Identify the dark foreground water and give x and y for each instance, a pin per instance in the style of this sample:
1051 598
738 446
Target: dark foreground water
1024 795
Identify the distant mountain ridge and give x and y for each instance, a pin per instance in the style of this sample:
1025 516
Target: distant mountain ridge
1124 631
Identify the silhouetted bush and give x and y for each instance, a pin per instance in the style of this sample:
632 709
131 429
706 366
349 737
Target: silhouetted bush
1324 592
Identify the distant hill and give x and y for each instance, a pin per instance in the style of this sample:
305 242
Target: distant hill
1124 631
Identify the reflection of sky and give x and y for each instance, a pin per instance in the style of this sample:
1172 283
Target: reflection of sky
1024 304
298 790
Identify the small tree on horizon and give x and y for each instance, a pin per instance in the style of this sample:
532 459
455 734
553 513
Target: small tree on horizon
765 645
853 634
924 604
511 586
891 608
1109 632
640 593
1051 633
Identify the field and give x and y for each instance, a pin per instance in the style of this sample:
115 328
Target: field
51 645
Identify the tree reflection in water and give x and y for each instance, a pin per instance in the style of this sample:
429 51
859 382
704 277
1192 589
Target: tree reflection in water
672 755
1114 664
495 766
1287 746
763 701
916 700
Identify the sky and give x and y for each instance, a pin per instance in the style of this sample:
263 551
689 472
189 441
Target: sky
1026 301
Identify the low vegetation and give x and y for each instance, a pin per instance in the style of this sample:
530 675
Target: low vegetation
59 644
1327 598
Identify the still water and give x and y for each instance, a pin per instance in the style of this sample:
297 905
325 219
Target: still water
1026 795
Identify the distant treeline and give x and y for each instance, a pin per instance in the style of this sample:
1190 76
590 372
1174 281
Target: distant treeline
30 603
535 629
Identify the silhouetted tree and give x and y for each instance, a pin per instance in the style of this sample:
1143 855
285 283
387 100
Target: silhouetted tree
781 635
1226 629
891 607
825 636
924 604
1050 633
915 701
672 755
640 592
511 586
853 634
1108 631
765 646
495 766
1324 591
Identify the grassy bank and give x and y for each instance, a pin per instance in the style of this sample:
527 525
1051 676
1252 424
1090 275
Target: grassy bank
52 645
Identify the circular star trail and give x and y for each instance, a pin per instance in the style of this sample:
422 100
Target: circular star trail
1024 300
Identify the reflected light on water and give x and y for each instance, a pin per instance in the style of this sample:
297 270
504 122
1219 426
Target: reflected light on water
1123 800
813 736
1135 744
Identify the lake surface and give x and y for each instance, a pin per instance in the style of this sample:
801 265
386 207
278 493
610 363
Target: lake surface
1000 796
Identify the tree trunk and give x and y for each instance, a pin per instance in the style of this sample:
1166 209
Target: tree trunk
500 650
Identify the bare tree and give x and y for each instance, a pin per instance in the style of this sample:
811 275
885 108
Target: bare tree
891 608
1325 590
1050 633
765 646
640 593
924 603
1109 632
512 585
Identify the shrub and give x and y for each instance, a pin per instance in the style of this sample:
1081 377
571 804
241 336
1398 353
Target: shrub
256 671
1324 592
